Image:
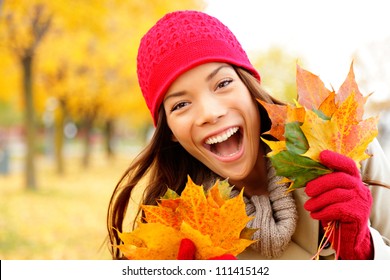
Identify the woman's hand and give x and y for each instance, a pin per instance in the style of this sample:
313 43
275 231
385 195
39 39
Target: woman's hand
341 196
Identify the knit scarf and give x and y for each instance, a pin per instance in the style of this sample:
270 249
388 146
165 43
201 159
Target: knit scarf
275 216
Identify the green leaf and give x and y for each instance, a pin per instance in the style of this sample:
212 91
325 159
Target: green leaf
298 169
321 114
296 141
170 194
247 233
224 189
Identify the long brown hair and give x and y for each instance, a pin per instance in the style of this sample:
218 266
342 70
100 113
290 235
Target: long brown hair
167 164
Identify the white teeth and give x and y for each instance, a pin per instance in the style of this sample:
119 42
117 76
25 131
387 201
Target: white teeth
222 137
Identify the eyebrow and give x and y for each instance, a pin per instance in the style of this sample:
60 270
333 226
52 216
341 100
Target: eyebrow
215 72
176 94
208 78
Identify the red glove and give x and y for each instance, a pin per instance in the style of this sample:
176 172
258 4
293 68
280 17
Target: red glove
341 196
187 251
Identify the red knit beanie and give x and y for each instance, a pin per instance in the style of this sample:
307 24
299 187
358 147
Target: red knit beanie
178 42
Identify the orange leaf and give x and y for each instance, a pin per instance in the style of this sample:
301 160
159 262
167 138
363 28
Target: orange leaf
193 207
161 214
170 203
348 87
212 220
230 226
205 248
311 90
362 134
214 197
331 122
295 114
345 118
277 114
328 107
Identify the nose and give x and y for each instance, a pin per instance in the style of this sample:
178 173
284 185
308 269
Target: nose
210 109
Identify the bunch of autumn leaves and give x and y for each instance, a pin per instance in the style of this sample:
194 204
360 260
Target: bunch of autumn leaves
212 220
319 120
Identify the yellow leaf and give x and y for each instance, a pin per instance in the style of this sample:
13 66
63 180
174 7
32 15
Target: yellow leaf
320 135
331 122
230 226
354 134
345 116
131 238
215 223
343 133
151 241
275 146
205 248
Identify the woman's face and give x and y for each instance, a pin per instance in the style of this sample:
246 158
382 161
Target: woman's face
213 116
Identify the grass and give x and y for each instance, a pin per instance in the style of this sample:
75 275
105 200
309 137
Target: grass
64 218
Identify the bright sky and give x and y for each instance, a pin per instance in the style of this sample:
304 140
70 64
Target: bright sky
325 32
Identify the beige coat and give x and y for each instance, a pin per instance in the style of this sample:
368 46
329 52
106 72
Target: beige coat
305 241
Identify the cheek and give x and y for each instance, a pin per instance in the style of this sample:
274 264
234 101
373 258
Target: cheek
175 134
251 105
180 135
173 127
181 129
257 117
255 120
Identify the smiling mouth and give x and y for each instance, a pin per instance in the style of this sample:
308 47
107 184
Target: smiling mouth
226 144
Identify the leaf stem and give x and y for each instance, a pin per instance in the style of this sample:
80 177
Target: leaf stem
329 232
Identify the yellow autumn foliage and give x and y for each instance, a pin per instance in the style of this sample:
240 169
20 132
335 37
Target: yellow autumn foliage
319 120
215 223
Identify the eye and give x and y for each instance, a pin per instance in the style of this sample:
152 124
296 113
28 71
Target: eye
224 83
179 105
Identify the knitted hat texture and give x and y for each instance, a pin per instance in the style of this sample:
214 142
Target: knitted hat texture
178 42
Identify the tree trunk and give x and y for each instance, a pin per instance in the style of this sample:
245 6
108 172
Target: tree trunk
59 138
30 179
108 135
88 125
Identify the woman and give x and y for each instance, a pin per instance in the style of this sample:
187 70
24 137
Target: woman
201 90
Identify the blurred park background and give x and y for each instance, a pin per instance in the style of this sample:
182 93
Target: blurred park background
72 116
